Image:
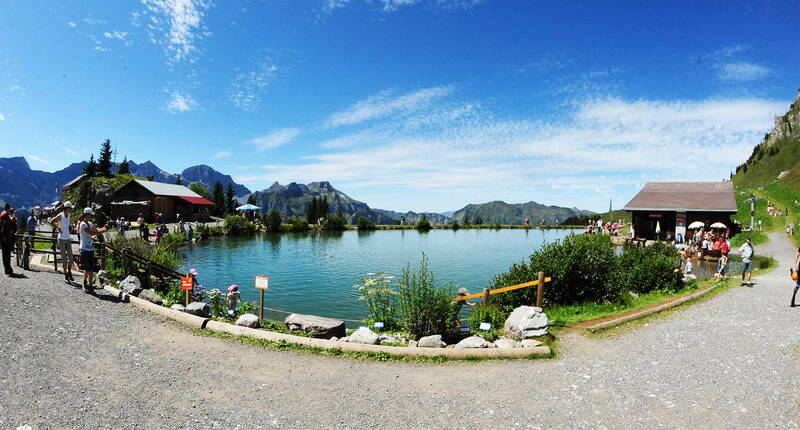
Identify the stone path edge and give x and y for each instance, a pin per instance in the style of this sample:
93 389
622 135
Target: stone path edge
222 327
615 320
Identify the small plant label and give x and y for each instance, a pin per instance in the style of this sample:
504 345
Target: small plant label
464 329
378 324
186 283
262 282
486 326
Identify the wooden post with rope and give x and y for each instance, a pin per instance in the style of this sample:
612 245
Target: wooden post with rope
486 297
540 290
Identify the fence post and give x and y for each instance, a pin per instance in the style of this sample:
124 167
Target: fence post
540 290
486 297
55 253
149 274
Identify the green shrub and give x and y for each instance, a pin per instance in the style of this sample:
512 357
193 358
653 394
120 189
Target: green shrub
423 224
424 307
335 222
487 314
219 309
246 308
646 269
455 225
273 221
164 253
238 226
379 296
174 295
299 225
365 224
579 265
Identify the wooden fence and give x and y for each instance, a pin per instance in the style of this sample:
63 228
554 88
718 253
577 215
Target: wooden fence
539 283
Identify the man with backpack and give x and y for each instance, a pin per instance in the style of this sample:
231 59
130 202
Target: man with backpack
746 252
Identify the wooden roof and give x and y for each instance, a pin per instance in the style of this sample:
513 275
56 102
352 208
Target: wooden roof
684 196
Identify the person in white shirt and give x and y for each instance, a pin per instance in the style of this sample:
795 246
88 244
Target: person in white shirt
746 252
61 224
86 232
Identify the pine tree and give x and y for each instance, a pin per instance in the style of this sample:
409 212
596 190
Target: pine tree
179 180
251 199
313 211
230 202
273 221
201 189
324 210
124 168
104 161
90 169
219 199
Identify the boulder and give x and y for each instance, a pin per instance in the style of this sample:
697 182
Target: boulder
473 342
248 320
151 297
384 339
364 335
432 341
412 343
505 343
530 343
201 309
525 322
316 326
178 307
131 285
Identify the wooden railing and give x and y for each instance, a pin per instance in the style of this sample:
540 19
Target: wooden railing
103 251
487 292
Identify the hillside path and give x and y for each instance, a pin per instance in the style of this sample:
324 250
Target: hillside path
71 360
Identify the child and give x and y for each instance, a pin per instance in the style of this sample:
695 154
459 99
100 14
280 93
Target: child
233 299
722 267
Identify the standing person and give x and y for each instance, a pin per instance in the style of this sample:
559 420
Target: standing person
86 230
142 226
794 272
722 267
31 225
61 223
8 227
746 252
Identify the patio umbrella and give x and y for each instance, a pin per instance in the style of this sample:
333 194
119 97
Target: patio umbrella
695 225
658 227
248 207
37 207
719 225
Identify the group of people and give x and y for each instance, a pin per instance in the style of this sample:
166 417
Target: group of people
601 226
87 232
722 244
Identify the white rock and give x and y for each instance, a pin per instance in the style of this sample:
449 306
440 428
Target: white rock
525 322
473 342
530 343
364 335
412 343
178 307
504 343
432 341
131 285
248 320
322 327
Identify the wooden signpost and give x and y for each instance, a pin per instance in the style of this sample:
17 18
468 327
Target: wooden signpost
186 286
262 283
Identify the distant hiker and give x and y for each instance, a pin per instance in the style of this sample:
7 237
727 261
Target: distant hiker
142 227
793 271
189 233
746 252
8 227
86 230
61 224
722 267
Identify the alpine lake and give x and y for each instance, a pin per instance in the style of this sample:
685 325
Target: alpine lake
315 272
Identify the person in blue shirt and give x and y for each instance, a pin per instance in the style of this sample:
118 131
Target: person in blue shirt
32 225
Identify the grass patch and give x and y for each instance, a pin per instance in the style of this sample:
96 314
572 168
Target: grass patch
363 356
758 238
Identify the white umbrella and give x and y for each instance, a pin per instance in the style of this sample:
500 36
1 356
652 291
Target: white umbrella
718 225
658 227
695 225
248 207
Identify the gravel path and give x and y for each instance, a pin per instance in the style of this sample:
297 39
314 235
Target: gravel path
74 360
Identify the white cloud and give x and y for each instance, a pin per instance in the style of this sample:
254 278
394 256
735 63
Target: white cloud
174 24
385 103
72 24
246 88
275 139
15 88
743 72
600 145
2 117
395 5
222 154
121 35
37 159
180 102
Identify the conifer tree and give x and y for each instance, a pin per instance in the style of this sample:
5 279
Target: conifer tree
90 169
313 211
104 161
324 210
179 180
124 168
230 201
219 199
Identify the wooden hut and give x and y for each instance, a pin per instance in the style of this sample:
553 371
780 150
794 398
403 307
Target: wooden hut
156 197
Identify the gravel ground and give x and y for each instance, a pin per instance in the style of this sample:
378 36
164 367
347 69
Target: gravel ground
71 360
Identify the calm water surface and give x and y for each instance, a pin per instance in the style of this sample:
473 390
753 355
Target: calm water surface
314 272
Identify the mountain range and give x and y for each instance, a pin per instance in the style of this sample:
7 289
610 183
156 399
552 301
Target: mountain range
25 187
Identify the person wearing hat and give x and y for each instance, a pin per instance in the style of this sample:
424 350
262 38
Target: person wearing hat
746 252
233 298
456 305
61 223
86 232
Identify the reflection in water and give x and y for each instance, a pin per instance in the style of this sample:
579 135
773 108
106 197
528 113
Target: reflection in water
314 272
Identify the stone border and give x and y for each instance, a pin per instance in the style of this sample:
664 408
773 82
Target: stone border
614 320
221 327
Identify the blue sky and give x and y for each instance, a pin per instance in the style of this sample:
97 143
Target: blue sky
404 104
